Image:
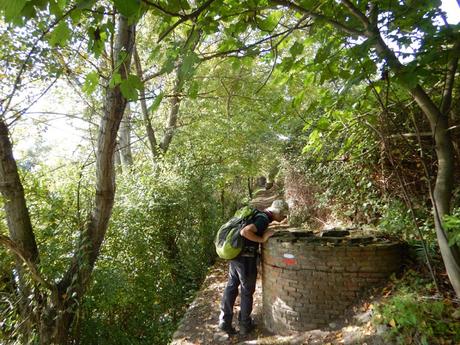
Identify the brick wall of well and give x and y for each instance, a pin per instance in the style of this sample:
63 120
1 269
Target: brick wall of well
310 282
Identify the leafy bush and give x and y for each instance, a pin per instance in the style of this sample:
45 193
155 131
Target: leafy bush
416 319
156 254
452 226
395 219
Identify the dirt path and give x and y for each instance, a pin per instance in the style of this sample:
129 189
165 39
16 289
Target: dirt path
199 325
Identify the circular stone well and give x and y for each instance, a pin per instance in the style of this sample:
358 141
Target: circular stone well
310 281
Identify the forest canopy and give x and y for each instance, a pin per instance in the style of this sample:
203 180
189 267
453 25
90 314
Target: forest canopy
350 107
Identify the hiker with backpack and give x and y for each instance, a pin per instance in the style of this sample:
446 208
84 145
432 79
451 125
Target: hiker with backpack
251 230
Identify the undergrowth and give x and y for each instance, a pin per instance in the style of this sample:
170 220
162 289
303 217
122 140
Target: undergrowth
416 314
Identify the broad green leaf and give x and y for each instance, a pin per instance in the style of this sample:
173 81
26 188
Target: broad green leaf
297 101
322 124
130 86
12 8
128 8
61 4
269 23
286 64
115 80
122 56
193 89
323 53
29 10
57 7
91 82
236 64
60 34
247 61
229 43
177 5
85 4
75 15
154 53
156 103
296 49
188 65
308 3
185 5
168 66
407 79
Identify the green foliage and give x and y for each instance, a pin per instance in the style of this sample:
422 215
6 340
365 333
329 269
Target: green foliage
128 8
130 87
396 219
238 116
414 318
91 82
156 254
57 207
12 9
451 224
188 65
60 35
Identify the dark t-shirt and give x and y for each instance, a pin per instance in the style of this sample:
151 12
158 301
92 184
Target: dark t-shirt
261 221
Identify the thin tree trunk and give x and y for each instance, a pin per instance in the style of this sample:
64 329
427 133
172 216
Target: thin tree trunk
171 122
148 124
60 312
126 155
442 195
176 100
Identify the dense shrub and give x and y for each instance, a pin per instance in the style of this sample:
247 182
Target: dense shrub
155 256
414 316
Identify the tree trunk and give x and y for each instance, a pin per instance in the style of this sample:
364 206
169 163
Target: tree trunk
176 100
171 122
124 143
19 224
145 113
442 195
59 314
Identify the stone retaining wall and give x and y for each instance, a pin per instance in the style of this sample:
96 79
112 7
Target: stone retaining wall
309 282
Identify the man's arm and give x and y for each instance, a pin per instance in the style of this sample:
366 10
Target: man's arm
249 232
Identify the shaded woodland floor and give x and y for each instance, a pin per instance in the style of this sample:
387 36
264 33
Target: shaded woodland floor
199 325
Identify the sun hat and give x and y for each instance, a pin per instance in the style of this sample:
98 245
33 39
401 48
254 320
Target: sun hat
280 207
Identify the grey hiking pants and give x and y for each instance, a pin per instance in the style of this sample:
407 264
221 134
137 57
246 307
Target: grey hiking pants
242 271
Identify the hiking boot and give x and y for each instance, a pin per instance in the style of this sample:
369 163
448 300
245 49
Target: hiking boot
246 329
227 328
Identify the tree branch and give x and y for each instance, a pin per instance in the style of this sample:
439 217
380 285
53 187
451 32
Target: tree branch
87 253
450 78
13 247
148 124
314 15
171 121
28 57
269 38
184 18
161 9
357 14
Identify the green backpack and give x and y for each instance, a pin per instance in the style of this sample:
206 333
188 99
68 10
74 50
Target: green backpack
228 241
